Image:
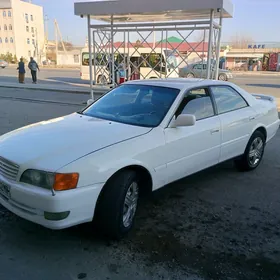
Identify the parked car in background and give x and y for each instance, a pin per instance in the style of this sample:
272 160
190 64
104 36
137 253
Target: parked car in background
95 164
3 64
198 70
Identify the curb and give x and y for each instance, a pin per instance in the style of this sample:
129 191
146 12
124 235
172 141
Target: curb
255 74
54 89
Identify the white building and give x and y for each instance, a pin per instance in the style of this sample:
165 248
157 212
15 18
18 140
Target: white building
22 29
70 58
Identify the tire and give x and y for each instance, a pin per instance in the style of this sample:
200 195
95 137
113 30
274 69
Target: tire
222 77
190 76
113 218
253 155
101 79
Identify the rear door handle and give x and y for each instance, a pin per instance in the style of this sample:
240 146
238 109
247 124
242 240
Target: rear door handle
216 130
251 118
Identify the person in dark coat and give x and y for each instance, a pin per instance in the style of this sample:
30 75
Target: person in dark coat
33 66
21 71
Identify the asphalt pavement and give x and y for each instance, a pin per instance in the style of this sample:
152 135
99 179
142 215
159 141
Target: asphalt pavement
218 224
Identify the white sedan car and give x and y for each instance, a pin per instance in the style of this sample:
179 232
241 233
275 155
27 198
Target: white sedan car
142 135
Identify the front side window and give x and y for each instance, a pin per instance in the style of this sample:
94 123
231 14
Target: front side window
197 102
101 59
198 67
139 105
227 99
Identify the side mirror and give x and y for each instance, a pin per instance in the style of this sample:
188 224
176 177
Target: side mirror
183 120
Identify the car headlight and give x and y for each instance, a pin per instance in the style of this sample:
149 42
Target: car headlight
48 180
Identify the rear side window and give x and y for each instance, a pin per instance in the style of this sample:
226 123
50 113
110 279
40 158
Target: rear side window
227 99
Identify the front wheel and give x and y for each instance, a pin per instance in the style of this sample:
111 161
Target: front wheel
253 155
222 77
117 204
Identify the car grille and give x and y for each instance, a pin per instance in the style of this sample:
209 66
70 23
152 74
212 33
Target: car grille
8 169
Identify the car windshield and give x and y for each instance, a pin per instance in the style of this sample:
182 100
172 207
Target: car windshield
140 105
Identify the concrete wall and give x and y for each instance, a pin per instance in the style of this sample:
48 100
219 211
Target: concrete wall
71 58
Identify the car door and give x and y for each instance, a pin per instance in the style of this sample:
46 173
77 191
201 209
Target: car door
237 120
193 148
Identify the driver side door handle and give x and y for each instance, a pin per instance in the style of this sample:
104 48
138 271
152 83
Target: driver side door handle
215 130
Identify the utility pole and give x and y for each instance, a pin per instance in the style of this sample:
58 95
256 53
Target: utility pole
46 35
56 41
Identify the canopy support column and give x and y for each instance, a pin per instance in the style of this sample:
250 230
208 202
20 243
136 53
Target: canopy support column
219 46
90 58
112 51
210 42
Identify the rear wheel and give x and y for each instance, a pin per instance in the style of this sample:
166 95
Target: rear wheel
117 204
253 155
101 79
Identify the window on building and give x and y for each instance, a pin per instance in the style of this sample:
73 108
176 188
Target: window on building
9 14
33 42
6 40
27 28
11 40
28 41
4 14
26 18
29 53
76 58
0 40
31 17
10 27
32 29
5 27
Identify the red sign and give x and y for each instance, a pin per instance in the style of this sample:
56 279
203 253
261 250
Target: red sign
273 60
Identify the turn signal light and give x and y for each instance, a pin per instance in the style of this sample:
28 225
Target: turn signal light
64 182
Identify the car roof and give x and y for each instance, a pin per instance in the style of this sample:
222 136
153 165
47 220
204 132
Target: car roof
178 83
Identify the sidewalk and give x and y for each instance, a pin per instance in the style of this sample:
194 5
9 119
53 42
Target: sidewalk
56 88
256 73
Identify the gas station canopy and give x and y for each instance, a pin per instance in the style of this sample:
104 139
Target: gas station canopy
153 10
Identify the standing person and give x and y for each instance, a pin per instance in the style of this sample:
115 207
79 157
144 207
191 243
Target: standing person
33 66
21 71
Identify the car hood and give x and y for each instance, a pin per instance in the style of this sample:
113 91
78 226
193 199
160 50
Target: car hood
50 145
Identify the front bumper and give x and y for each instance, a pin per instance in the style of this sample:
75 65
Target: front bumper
31 203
